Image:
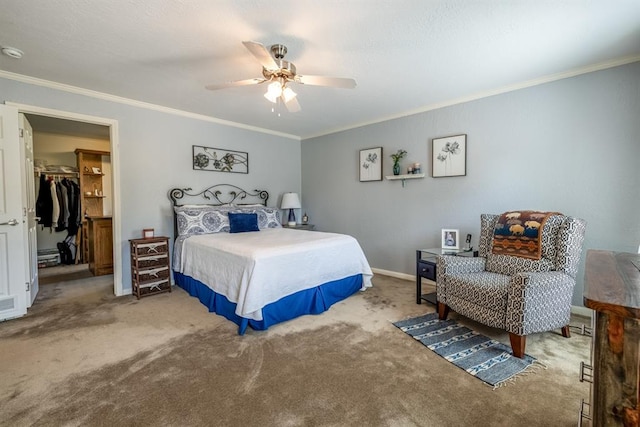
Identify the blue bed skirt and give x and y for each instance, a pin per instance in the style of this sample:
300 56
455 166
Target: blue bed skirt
309 301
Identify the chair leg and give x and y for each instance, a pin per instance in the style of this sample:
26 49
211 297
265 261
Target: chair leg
566 332
518 343
443 311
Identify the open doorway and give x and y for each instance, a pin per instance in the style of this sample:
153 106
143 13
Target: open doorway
61 148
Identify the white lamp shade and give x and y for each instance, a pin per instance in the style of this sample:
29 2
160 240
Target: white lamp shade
290 201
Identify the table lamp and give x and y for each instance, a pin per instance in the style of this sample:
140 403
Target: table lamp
291 201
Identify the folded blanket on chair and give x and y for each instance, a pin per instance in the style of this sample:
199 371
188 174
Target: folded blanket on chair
519 233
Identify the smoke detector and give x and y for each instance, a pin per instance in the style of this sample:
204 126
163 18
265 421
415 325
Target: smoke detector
12 52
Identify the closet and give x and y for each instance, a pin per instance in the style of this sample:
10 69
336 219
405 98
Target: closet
62 149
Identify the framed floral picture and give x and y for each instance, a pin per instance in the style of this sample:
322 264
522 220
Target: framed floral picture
449 156
220 160
371 164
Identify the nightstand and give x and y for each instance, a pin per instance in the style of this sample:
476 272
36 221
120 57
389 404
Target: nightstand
150 266
300 226
426 268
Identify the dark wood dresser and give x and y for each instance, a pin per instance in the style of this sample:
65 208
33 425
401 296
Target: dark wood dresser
612 289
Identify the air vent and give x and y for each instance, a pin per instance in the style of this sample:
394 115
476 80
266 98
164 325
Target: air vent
7 304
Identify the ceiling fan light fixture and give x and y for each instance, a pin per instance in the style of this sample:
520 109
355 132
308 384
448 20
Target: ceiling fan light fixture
278 73
271 97
274 91
288 94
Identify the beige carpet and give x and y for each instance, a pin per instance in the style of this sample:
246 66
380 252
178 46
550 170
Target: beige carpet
83 357
64 273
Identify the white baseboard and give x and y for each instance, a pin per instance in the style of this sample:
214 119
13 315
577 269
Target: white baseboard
575 309
581 311
395 274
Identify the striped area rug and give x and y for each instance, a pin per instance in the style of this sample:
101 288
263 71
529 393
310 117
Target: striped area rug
482 357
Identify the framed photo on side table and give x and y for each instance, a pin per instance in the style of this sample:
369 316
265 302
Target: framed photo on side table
450 238
147 233
371 164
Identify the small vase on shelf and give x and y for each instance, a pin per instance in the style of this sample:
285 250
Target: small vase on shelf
396 160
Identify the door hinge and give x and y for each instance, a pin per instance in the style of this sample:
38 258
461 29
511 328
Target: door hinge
21 133
27 286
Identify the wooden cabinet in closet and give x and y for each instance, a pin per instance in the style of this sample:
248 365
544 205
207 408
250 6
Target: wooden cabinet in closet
91 193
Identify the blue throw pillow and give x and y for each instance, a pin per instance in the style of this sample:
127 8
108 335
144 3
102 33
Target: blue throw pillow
242 222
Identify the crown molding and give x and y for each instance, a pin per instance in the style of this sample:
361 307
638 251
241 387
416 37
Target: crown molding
485 94
134 103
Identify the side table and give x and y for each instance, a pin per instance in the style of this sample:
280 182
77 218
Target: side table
426 268
150 266
299 226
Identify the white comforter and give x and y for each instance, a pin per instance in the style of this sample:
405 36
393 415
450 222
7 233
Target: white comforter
257 268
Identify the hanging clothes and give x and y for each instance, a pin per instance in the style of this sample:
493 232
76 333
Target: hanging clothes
56 203
61 191
73 206
44 203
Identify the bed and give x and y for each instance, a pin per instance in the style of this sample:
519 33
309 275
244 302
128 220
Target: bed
237 259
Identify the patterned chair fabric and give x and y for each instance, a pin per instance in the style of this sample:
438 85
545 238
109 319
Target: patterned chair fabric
522 296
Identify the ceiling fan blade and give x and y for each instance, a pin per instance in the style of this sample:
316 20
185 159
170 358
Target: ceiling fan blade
293 106
235 83
262 54
326 81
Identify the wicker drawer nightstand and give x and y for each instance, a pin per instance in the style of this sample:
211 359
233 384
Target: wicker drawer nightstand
150 273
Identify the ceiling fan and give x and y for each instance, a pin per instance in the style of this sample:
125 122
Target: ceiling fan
280 73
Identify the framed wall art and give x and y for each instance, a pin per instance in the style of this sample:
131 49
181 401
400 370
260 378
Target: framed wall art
220 160
449 156
450 238
370 164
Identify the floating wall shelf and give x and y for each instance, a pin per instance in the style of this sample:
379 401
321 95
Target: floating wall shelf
405 177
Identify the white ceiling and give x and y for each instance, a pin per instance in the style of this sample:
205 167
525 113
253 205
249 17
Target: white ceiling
406 56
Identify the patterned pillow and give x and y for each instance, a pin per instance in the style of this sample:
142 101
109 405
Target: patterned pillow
202 219
507 264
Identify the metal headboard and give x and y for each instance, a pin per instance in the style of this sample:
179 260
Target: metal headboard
215 195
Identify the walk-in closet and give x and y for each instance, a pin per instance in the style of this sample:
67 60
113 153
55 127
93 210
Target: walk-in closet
72 171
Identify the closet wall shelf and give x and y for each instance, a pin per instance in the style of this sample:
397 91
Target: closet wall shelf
69 174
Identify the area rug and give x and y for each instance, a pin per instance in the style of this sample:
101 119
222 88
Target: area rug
488 360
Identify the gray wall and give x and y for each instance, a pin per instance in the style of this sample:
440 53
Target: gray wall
155 156
571 146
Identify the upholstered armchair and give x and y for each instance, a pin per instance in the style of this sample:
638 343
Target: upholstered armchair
520 295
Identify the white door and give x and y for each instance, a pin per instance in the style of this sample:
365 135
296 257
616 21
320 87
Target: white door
29 202
13 296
